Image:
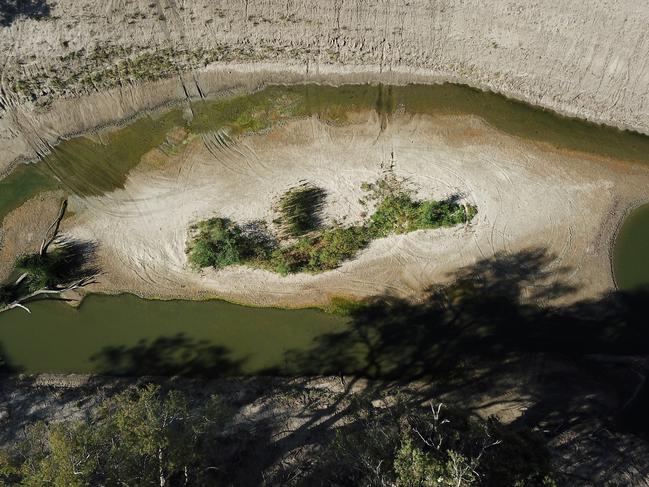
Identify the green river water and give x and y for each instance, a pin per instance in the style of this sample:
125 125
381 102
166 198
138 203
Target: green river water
128 335
125 334
631 255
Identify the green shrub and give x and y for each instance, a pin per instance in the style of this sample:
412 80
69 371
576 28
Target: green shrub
220 242
143 437
293 258
39 270
217 244
394 214
336 245
406 446
398 213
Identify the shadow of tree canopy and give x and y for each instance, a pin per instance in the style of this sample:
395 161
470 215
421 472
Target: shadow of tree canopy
73 259
492 327
301 209
486 330
5 366
12 9
167 356
493 310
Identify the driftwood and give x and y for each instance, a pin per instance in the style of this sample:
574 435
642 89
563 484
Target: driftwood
50 236
18 303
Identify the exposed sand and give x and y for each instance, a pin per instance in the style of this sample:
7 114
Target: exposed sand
529 196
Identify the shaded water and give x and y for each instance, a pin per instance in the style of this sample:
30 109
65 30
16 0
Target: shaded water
127 335
631 256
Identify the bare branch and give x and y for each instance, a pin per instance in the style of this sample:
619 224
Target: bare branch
53 230
45 291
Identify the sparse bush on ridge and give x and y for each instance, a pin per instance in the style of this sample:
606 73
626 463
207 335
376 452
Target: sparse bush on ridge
218 242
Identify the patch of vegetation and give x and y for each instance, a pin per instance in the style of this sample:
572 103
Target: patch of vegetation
411 447
144 438
218 242
322 252
42 271
66 263
397 211
343 306
153 436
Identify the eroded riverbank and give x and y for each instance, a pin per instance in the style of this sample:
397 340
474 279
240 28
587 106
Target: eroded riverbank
584 60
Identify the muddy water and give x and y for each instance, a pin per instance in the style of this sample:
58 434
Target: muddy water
127 335
631 256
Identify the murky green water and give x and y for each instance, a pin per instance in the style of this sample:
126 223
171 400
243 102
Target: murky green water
631 256
127 335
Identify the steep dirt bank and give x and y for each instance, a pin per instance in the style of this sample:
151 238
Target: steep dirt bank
583 59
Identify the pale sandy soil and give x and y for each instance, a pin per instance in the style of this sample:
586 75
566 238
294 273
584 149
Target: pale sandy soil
529 196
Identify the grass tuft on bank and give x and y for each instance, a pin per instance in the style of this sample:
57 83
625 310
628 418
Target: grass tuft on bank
308 246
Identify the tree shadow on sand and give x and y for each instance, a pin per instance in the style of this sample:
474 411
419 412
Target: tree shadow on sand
12 9
489 332
493 310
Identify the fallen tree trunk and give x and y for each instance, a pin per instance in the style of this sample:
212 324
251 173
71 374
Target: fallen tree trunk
18 303
50 236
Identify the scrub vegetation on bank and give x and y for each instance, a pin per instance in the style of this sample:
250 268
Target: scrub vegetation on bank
153 436
304 244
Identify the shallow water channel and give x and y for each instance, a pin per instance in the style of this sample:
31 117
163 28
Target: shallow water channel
124 334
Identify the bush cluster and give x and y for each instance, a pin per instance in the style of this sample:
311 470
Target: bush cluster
218 242
406 446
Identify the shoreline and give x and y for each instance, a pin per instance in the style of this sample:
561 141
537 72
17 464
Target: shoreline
331 75
78 300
